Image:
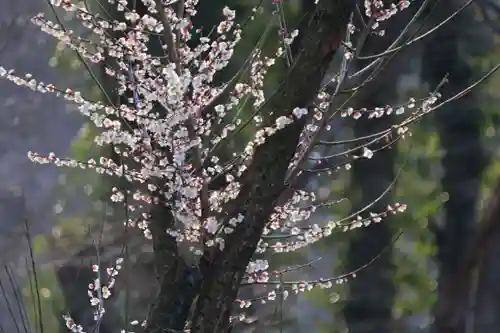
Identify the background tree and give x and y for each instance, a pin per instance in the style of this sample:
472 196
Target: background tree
459 127
369 309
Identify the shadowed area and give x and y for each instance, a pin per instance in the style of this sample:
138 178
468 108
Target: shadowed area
29 121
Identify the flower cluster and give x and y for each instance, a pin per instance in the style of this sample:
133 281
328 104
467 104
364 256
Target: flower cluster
97 293
305 236
169 131
381 11
174 108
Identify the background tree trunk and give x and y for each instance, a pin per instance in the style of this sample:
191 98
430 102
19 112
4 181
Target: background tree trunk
371 294
459 126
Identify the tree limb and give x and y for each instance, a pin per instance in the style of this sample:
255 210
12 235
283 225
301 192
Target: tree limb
263 182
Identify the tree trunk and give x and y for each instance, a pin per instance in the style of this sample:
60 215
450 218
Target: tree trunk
262 184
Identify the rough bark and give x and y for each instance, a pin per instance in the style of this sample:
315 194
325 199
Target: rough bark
264 181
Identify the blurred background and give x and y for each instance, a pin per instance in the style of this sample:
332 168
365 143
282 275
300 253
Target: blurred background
445 172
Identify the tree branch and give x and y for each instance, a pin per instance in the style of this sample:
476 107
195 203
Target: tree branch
263 182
